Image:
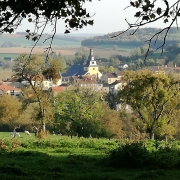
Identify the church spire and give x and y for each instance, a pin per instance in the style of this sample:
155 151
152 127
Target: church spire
91 57
91 52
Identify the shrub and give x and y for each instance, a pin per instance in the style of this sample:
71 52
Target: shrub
42 134
136 155
129 155
3 146
165 158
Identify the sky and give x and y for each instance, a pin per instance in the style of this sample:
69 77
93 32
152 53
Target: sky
109 16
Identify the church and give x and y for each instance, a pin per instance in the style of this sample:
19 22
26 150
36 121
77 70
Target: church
90 68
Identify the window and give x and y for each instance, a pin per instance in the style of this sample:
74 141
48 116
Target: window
11 92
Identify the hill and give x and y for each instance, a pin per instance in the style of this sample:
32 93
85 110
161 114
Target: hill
126 39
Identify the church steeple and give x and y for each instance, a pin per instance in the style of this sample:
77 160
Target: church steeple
91 61
91 66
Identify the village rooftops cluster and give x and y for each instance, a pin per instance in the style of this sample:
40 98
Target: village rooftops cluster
87 75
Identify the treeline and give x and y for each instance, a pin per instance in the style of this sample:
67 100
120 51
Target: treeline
137 39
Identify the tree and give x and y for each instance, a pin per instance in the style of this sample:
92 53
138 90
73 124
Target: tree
10 110
79 107
81 55
83 111
154 97
33 71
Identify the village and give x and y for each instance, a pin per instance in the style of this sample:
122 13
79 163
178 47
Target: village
87 75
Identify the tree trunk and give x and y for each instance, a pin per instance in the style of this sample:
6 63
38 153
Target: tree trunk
151 134
44 126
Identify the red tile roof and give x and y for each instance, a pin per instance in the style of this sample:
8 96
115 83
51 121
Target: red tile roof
6 88
58 88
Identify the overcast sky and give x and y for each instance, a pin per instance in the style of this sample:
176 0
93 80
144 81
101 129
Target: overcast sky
109 17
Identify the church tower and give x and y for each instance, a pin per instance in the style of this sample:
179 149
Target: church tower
91 66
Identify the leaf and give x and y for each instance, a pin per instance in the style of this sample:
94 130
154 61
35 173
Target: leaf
145 8
132 4
27 37
159 11
166 20
137 14
34 38
152 16
91 22
145 18
67 31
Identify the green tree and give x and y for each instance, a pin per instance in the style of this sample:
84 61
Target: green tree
79 106
33 70
81 55
83 111
114 62
153 97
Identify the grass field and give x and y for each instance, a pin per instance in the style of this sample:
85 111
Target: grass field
63 158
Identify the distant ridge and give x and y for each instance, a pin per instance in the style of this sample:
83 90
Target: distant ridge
138 39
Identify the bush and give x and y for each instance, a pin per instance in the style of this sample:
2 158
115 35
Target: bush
136 155
165 158
129 155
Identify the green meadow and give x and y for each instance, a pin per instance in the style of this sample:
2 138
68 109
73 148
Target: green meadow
63 158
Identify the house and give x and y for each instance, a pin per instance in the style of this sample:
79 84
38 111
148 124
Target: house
90 68
43 81
87 81
123 66
116 86
6 89
13 83
109 78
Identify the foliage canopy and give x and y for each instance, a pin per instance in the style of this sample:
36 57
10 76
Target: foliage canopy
154 97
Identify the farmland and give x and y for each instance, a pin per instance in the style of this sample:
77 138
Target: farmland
65 47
